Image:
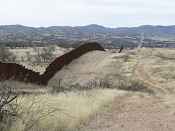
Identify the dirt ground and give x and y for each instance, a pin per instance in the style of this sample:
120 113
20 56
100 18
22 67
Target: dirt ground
141 112
135 113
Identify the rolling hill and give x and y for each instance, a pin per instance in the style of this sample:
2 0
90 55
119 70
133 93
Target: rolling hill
44 34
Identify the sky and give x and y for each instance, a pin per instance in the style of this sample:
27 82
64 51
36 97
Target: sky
111 13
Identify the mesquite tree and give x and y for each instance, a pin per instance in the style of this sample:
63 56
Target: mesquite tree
7 109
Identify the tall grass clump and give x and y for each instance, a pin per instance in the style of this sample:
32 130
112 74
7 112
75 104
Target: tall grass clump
135 85
60 112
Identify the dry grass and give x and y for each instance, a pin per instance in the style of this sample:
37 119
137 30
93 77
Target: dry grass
61 112
26 88
159 65
22 55
71 110
134 85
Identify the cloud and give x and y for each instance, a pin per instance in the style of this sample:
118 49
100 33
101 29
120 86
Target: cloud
81 12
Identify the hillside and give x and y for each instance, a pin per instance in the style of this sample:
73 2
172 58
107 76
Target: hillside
92 66
68 35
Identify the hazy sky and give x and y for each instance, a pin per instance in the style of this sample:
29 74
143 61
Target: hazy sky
113 13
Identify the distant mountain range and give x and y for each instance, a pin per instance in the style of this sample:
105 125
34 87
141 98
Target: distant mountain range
54 34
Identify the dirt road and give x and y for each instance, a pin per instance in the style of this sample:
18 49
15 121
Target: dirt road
135 113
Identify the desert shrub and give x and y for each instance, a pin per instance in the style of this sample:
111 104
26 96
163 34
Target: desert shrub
30 114
44 54
7 109
28 56
99 83
60 112
126 58
93 84
133 85
58 88
13 112
121 83
6 55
